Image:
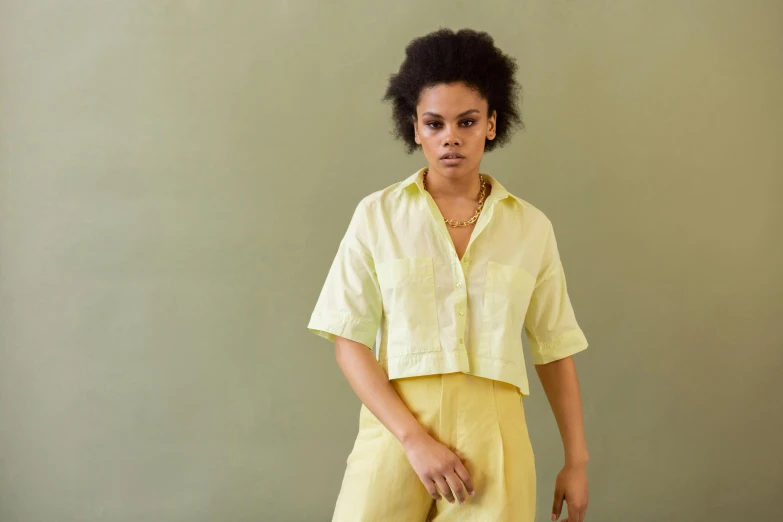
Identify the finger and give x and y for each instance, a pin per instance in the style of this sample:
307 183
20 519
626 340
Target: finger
557 505
462 473
575 514
457 487
444 488
432 490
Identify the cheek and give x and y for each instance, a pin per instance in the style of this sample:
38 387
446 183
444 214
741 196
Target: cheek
427 141
478 138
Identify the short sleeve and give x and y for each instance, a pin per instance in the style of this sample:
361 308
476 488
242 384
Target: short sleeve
550 323
350 303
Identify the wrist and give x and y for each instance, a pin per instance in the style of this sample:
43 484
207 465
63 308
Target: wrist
577 461
412 435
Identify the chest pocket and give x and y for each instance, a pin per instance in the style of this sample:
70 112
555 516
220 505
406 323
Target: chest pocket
408 290
508 290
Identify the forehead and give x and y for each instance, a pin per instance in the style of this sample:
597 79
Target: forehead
450 99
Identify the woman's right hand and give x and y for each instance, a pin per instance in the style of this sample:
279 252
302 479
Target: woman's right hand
434 463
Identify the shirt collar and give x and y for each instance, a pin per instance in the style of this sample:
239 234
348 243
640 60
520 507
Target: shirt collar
417 178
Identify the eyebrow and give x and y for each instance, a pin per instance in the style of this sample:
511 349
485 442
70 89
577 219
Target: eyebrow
458 115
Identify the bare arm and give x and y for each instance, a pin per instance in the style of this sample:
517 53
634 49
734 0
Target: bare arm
372 386
561 386
434 463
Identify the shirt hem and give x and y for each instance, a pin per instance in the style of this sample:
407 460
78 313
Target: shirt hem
439 362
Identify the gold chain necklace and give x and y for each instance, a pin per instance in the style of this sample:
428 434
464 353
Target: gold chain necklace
481 196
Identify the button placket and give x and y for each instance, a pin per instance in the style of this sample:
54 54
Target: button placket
461 304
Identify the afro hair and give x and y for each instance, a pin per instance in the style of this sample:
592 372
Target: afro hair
445 56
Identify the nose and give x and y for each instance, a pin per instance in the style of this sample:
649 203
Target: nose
451 137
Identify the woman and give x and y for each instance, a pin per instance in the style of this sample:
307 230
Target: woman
442 271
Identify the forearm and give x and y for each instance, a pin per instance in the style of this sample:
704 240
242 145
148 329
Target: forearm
372 386
561 386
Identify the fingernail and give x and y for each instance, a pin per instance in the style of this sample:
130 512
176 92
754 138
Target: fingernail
554 517
472 493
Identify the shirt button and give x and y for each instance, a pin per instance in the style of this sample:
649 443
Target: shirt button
462 312
461 341
459 285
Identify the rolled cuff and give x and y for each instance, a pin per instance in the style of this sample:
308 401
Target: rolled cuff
560 347
329 325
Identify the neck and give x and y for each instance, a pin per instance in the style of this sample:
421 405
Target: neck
466 186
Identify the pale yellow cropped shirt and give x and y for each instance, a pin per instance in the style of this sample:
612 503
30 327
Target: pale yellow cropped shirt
397 284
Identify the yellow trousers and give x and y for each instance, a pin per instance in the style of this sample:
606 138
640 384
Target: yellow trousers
481 420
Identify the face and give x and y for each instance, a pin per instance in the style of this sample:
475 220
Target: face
452 118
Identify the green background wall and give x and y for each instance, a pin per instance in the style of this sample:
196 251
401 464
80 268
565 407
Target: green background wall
175 178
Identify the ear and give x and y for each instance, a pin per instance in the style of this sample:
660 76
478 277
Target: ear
492 126
416 131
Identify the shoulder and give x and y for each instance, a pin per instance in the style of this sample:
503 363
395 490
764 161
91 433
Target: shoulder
529 214
384 199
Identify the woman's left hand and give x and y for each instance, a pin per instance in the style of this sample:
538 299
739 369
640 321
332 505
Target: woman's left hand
571 486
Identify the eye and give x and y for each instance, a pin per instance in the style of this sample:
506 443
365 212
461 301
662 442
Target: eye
471 122
431 123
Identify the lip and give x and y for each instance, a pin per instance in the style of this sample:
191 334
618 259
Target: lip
452 161
451 153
